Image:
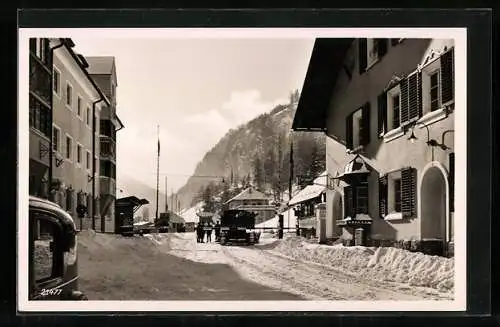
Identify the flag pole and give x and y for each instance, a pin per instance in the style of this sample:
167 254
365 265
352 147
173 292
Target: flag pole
290 181
158 172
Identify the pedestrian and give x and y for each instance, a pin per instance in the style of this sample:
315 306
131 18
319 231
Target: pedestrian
209 232
199 233
217 232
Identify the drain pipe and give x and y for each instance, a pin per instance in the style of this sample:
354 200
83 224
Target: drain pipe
93 159
51 124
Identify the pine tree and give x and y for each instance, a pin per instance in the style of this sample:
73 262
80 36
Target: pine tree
257 173
208 203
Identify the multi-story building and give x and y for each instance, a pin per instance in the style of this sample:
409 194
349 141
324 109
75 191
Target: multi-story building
77 106
103 71
254 201
387 107
40 115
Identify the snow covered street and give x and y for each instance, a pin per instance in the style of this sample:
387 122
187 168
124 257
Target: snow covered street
277 264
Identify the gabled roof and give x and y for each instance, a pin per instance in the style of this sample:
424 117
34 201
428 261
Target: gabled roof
325 64
249 194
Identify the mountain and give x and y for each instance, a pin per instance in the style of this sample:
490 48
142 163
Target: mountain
130 186
259 152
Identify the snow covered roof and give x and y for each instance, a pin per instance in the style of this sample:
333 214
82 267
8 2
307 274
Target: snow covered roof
249 194
190 215
311 191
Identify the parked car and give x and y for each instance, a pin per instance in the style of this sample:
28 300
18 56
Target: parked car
53 256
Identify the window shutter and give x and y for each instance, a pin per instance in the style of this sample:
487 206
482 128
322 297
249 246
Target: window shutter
362 55
381 47
348 202
409 192
365 136
382 196
451 181
415 96
447 76
382 113
404 115
348 132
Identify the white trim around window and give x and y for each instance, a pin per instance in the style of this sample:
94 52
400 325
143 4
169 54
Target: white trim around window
68 154
72 100
79 101
56 91
393 132
431 116
59 138
79 153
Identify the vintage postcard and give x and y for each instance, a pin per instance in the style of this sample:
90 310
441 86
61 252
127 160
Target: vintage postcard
262 169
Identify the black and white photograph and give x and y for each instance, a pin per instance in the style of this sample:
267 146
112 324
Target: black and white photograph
242 169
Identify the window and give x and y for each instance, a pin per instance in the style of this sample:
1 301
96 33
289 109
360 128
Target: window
88 161
56 139
56 81
89 116
46 261
69 95
397 193
438 82
434 90
78 153
400 106
358 127
69 145
79 106
370 51
107 169
356 198
393 107
42 49
39 116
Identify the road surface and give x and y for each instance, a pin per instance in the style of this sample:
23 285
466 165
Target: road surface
175 267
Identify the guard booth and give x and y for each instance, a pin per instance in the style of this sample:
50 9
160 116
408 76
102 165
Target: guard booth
125 208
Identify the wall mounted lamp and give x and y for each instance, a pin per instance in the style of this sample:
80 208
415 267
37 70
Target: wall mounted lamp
430 142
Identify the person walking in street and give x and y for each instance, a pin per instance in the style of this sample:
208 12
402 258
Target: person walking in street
217 232
199 232
209 232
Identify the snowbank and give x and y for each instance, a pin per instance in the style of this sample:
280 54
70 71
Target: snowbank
385 264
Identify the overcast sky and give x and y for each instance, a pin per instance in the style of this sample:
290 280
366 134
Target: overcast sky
196 90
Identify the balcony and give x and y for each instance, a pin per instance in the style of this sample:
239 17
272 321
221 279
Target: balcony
40 79
108 149
107 186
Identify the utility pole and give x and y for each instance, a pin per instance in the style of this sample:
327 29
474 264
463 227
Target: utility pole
290 180
158 174
172 198
166 194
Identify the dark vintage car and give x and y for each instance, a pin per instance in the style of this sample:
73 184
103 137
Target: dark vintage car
53 261
238 227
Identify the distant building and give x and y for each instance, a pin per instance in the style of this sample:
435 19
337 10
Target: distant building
254 201
308 205
103 71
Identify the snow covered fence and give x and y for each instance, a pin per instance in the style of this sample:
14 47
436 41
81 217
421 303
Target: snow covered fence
383 263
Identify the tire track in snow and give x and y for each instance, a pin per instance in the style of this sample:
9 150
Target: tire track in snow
311 280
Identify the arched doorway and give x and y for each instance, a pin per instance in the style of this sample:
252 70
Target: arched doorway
434 203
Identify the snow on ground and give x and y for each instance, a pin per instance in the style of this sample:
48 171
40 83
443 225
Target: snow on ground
320 272
385 264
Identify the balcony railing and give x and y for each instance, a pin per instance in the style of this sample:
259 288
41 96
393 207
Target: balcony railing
40 79
107 186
